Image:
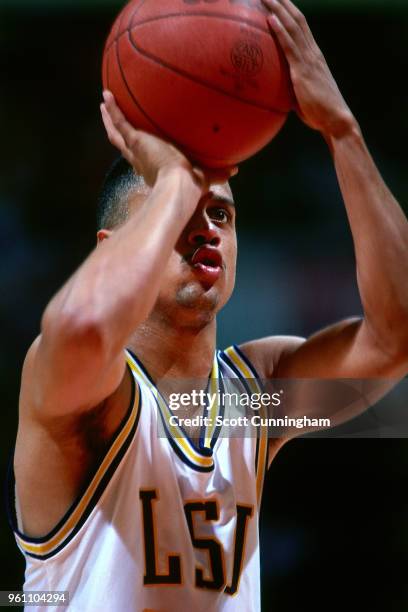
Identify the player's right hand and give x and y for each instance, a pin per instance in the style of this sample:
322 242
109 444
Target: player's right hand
150 155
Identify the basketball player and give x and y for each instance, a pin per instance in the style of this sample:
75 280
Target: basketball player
121 518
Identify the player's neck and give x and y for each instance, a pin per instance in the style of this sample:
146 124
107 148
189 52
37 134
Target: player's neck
175 353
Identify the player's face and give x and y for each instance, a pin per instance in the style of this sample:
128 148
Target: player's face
200 275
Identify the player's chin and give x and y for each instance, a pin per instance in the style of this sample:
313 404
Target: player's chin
217 291
218 294
196 295
204 288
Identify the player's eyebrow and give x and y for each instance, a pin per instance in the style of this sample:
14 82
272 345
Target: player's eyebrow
222 199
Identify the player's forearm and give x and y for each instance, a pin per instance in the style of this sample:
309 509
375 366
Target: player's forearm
380 234
116 287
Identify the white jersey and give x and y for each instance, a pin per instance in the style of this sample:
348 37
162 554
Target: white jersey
165 525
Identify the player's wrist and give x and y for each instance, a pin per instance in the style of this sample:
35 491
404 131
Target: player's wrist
185 178
188 186
173 171
342 125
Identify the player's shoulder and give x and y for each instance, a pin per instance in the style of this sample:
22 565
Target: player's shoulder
266 353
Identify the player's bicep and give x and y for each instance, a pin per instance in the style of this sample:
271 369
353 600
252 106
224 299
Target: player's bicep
335 375
66 381
344 350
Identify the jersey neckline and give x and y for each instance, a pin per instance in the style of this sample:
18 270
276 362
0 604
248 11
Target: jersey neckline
199 456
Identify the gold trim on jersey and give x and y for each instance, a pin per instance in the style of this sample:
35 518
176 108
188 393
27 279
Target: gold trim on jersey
262 444
174 432
83 506
215 408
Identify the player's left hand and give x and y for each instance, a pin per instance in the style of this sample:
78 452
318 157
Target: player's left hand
149 154
319 101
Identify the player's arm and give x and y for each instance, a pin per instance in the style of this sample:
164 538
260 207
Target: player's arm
78 360
372 347
376 345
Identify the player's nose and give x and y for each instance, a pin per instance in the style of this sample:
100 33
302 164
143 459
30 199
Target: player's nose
204 235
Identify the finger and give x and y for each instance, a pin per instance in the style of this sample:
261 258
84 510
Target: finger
284 38
119 120
296 14
114 135
287 20
300 19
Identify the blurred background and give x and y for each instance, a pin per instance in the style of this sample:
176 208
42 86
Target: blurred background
334 528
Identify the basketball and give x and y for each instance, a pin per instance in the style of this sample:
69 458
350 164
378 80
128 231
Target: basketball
204 74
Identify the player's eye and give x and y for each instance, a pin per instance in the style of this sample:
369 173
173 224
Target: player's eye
219 214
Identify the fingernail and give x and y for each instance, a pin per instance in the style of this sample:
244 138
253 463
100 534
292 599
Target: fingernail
234 171
105 94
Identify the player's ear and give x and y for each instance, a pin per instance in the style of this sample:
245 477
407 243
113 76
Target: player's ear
102 235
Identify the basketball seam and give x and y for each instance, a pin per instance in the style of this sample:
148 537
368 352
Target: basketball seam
131 17
202 82
133 97
165 135
221 16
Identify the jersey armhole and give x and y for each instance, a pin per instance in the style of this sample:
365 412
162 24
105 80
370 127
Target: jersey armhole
50 544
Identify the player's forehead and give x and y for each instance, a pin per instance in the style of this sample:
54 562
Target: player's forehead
222 193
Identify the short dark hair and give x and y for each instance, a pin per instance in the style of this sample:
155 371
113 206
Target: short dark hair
113 202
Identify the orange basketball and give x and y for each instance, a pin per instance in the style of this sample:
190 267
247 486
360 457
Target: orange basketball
205 74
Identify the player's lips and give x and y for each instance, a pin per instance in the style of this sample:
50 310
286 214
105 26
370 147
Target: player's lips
207 256
207 263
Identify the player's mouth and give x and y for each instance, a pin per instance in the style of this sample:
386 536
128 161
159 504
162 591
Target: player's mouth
207 264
